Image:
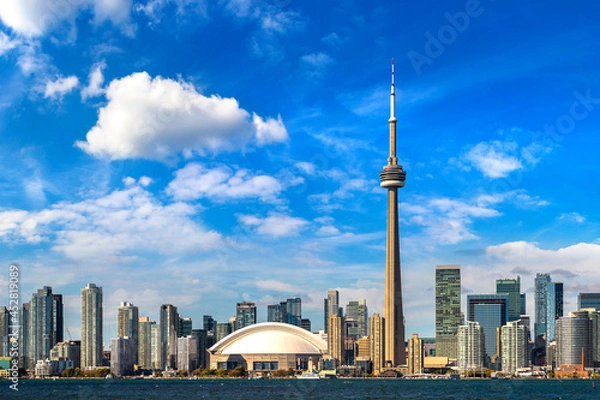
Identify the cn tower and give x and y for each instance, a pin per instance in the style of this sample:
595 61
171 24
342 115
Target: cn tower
392 177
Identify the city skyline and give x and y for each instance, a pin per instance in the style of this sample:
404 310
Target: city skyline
119 170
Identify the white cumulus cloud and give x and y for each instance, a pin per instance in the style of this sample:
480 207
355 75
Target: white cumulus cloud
158 118
195 181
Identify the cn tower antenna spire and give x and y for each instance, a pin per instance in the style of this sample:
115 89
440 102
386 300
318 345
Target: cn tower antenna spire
392 178
393 96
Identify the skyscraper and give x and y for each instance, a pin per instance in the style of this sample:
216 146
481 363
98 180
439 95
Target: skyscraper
336 339
185 327
293 311
415 355
144 352
447 309
331 306
511 287
358 311
540 295
392 177
377 342
470 347
513 339
122 353
169 327
554 308
588 300
245 314
91 326
574 333
46 323
491 312
4 331
127 326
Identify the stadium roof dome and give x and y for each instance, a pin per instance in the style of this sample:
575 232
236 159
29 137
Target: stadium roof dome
271 338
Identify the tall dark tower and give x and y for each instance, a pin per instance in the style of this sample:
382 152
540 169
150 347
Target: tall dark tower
392 177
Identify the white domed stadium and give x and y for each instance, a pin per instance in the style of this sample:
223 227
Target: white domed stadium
268 346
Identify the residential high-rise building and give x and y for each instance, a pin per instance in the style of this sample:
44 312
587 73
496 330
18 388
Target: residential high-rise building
377 342
447 309
358 311
4 331
24 327
392 178
245 314
274 313
574 335
46 323
512 288
554 308
91 327
331 306
305 324
415 355
491 312
223 329
187 353
594 317
122 353
127 325
156 351
540 295
144 352
470 347
588 300
514 342
288 312
336 339
210 326
201 336
294 311
169 327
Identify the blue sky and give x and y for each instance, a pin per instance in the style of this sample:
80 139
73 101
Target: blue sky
202 153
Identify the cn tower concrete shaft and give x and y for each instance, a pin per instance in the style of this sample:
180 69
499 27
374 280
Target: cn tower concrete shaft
392 177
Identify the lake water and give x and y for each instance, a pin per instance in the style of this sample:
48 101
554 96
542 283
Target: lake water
338 389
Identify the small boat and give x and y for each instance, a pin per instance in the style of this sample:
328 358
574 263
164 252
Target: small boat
309 375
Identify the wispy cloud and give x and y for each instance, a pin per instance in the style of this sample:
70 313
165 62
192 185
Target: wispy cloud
60 87
275 224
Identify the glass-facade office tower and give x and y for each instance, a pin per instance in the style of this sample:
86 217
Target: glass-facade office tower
588 300
541 303
447 309
491 312
554 308
4 331
331 306
46 323
245 314
512 288
185 327
169 327
358 311
91 326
